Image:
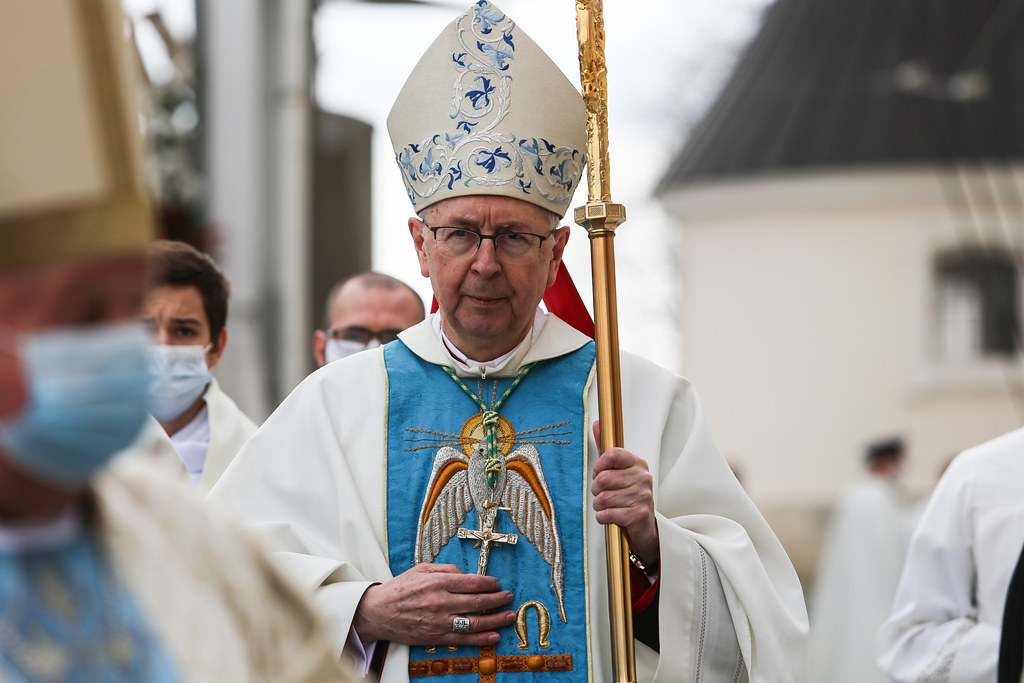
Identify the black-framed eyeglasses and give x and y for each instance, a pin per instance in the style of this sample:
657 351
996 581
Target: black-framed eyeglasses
362 335
510 246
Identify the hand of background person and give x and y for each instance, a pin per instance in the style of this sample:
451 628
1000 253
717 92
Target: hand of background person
417 608
623 491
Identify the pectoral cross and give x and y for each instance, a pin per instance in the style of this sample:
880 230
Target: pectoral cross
485 535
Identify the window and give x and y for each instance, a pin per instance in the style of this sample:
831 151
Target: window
978 303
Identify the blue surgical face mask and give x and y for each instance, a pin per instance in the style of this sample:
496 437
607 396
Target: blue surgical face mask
336 349
178 377
86 399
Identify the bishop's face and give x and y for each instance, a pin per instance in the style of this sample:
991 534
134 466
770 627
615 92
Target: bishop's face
487 303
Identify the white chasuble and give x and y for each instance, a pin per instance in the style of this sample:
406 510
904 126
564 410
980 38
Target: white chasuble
313 482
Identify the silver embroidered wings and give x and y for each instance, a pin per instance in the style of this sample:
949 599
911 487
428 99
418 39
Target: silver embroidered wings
458 484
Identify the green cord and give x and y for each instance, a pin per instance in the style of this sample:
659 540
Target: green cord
490 420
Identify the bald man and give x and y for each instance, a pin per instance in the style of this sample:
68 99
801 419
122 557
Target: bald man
363 312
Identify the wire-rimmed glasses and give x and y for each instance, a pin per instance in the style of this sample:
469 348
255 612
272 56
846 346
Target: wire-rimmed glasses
509 246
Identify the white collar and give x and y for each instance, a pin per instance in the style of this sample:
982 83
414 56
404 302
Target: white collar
551 338
193 443
539 318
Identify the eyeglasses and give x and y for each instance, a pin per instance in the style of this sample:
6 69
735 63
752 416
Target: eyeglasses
361 335
510 247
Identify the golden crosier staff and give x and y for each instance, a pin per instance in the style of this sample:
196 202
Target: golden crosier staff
600 217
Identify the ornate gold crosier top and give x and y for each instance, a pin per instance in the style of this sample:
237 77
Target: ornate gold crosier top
594 82
600 214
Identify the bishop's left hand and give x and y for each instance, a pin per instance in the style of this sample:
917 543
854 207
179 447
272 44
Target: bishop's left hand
623 491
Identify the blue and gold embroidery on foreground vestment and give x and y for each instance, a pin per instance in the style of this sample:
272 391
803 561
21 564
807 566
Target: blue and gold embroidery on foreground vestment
523 525
65 618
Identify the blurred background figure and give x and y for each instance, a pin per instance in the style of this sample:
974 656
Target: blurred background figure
106 573
363 312
858 570
186 309
948 614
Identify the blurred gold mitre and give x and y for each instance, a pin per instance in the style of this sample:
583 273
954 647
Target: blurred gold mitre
71 178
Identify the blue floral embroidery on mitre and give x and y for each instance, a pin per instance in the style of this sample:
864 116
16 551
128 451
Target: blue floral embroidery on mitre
491 159
454 173
497 55
562 174
452 139
475 151
430 167
483 93
405 161
487 16
533 152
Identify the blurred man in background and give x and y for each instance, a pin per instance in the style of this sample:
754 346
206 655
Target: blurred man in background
860 564
186 309
363 312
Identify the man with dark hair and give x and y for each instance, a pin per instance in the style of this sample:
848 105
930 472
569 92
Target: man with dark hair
176 264
363 312
885 457
186 308
858 570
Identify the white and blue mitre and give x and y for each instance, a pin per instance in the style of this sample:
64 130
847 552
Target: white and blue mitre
485 111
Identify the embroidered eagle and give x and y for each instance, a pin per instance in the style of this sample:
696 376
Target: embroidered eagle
458 484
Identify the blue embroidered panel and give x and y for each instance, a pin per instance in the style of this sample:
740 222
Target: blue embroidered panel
64 617
435 485
473 149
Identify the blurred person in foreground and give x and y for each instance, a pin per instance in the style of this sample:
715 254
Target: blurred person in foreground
363 312
443 496
858 569
186 308
113 574
106 574
948 614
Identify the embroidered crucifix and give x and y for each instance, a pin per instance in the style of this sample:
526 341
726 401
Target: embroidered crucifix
485 536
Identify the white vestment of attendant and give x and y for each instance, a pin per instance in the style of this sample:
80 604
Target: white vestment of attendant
860 565
230 428
212 599
311 481
948 612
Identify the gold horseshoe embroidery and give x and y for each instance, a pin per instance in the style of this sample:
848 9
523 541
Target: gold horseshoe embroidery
543 624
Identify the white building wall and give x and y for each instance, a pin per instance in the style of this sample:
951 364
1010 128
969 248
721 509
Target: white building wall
806 328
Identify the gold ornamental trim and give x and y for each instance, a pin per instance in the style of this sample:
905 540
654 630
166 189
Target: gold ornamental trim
600 217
